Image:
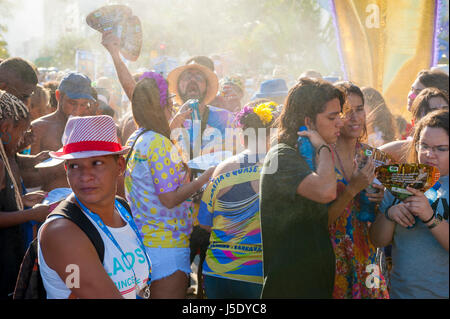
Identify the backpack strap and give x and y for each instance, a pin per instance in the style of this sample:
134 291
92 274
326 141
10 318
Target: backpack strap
125 204
72 212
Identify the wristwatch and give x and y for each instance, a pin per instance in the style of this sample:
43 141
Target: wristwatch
435 222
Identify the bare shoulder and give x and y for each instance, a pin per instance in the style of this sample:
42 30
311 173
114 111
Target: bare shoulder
62 235
44 120
44 124
396 149
228 165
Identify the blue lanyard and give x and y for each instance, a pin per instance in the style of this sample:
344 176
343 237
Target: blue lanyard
124 213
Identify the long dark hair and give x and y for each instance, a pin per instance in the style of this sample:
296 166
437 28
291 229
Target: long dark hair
306 99
351 88
146 108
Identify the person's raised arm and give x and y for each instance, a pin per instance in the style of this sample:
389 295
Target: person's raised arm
319 186
112 43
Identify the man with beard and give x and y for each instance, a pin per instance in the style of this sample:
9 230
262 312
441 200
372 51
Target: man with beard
195 80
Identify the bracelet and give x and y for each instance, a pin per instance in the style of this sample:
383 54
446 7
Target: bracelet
429 220
323 146
436 222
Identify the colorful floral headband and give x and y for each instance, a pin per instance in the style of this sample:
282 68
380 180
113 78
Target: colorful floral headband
263 110
162 85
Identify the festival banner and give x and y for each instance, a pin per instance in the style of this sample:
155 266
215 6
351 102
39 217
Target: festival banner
384 44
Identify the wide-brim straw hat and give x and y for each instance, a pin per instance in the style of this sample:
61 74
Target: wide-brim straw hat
89 136
211 78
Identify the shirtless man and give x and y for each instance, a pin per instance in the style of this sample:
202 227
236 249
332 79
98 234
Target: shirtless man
74 96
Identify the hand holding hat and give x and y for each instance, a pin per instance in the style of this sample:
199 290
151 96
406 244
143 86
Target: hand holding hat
118 20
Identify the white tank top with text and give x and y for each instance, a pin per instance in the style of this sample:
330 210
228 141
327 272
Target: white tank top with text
114 263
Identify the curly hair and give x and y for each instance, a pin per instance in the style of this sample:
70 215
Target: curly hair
435 119
306 99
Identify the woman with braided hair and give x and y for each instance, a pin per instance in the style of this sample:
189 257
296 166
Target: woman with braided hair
14 122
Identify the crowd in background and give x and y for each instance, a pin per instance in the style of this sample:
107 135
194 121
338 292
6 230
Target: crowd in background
263 221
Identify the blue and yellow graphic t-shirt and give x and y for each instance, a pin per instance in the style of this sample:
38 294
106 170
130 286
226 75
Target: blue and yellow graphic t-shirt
235 250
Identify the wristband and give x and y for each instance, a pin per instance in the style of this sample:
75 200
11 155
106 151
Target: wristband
429 220
327 147
324 146
436 222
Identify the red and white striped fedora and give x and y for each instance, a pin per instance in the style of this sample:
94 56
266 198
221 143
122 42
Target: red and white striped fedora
89 136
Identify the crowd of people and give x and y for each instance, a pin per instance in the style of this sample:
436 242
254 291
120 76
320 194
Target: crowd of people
265 222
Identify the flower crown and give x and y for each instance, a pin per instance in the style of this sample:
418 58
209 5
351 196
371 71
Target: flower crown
162 86
263 110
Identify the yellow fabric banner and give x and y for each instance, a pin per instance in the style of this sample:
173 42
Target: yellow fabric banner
385 43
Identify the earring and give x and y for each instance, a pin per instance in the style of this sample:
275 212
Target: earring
10 137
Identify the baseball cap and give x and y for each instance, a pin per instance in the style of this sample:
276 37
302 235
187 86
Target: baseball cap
76 86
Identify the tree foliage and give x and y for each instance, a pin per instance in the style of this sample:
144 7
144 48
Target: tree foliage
5 6
255 35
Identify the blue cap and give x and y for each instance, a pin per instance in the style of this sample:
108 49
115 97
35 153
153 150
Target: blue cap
76 86
272 88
